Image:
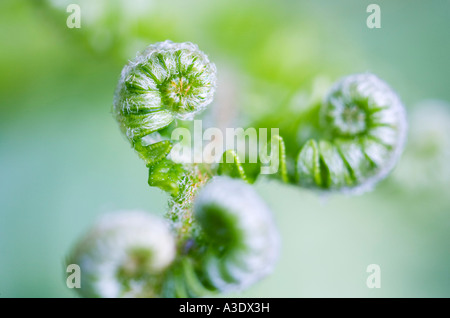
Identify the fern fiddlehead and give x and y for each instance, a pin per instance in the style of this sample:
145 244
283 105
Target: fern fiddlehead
358 131
124 254
240 233
364 129
235 244
222 237
165 82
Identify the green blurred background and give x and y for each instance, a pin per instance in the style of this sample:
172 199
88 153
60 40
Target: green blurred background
63 161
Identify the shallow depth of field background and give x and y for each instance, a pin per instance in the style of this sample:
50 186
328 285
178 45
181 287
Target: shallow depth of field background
63 161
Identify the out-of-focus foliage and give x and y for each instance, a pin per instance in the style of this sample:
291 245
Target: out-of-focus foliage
425 163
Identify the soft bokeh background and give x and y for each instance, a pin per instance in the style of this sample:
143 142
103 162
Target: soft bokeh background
63 161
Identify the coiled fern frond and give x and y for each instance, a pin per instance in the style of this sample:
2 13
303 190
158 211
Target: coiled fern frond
364 130
124 255
165 82
357 135
235 243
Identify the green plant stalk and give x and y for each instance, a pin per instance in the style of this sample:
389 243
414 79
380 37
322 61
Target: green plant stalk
180 205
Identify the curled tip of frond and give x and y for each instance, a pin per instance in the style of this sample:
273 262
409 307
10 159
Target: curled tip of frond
123 255
365 127
164 82
243 239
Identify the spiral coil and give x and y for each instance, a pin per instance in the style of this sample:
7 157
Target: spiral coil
363 130
166 81
124 255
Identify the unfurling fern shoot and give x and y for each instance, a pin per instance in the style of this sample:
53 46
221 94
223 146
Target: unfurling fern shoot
363 126
356 136
165 82
124 255
235 245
